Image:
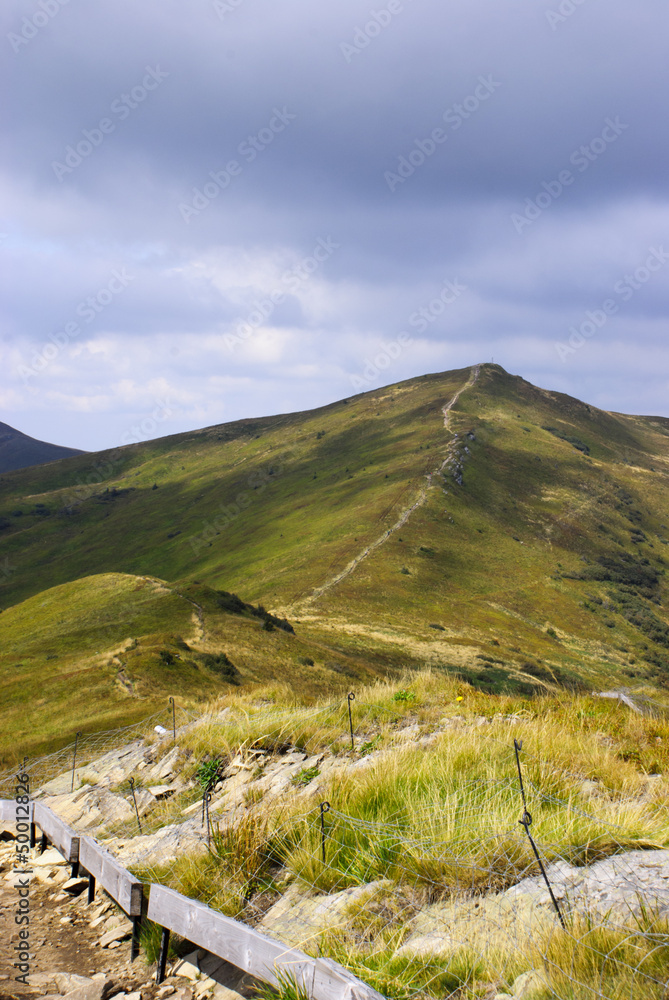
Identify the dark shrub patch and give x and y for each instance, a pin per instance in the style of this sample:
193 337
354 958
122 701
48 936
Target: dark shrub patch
220 664
576 442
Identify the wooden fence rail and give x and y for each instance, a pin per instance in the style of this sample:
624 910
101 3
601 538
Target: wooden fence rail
228 939
8 814
57 832
124 888
248 949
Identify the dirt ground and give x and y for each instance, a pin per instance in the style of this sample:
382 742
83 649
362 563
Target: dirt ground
61 940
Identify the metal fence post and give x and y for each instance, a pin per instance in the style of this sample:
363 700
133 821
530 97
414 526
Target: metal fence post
526 822
131 782
74 759
174 719
324 807
134 946
350 697
162 958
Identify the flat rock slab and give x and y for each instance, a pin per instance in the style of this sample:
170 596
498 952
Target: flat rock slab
116 934
49 859
90 807
163 791
165 767
187 967
163 846
295 918
618 885
93 990
65 982
75 886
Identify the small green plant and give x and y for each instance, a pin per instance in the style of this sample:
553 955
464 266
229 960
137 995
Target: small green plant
552 633
306 661
404 695
405 571
208 772
304 776
149 941
287 989
369 746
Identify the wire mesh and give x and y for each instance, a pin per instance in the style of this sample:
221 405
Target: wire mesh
430 891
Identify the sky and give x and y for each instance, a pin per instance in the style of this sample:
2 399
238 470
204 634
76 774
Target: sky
230 208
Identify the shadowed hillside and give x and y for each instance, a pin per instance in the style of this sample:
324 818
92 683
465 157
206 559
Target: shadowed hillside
18 451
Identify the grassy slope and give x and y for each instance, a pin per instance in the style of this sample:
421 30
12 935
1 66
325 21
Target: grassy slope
271 508
487 559
127 644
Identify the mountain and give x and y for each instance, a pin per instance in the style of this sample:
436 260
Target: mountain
18 451
465 520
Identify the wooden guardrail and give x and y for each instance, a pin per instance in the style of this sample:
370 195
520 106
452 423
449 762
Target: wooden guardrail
228 939
57 832
103 868
248 949
8 814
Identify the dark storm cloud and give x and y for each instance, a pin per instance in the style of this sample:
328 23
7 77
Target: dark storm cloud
518 149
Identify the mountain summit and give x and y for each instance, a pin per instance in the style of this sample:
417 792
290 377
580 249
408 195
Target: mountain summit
466 520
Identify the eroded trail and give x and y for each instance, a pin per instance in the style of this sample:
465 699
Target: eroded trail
304 603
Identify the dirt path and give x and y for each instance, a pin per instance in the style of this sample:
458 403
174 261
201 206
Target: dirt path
305 603
61 938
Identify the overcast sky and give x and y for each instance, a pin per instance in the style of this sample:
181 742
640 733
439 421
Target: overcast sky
213 210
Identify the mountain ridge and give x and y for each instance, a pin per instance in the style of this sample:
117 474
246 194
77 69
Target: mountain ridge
467 521
20 451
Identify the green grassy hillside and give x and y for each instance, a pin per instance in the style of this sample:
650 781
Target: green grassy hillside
466 520
109 650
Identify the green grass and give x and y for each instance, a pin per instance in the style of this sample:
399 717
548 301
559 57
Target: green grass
526 556
424 827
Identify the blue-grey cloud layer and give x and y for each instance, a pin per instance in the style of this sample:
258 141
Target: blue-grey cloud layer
207 154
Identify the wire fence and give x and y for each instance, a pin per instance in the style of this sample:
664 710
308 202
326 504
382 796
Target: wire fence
364 839
86 748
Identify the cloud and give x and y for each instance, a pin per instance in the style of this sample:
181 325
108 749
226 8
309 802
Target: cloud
316 106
